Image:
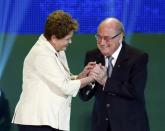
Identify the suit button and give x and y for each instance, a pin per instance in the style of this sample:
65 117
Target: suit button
106 119
107 105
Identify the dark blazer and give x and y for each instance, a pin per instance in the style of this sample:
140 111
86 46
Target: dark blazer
121 104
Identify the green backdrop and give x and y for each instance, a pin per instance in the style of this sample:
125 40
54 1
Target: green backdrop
153 44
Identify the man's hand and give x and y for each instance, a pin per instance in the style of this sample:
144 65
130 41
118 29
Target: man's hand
99 73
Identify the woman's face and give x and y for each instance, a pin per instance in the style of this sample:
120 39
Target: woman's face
61 44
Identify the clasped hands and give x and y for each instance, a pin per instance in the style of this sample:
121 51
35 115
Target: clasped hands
96 71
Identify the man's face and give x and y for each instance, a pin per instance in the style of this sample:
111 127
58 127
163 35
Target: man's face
108 40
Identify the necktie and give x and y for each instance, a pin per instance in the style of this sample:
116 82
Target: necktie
110 66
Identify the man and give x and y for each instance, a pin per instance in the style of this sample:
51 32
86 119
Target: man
119 94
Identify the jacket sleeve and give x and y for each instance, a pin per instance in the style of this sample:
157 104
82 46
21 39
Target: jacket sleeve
87 92
45 69
133 85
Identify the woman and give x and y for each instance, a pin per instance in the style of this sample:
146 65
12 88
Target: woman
48 87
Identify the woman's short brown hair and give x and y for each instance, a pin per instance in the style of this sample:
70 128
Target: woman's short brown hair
60 24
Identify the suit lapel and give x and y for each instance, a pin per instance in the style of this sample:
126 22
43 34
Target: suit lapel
100 58
63 67
121 58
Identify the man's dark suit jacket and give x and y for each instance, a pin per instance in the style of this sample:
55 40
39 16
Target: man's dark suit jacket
121 104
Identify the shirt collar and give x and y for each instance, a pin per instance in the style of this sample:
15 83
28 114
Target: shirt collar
116 53
43 40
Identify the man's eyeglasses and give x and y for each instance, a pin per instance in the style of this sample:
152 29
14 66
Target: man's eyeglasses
106 38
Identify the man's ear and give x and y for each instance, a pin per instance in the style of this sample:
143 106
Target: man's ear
121 38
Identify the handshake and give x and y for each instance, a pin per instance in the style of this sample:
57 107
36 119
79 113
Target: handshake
94 71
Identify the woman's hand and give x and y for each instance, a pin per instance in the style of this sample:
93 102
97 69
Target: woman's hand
86 70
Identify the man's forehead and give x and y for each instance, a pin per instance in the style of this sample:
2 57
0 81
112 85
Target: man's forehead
106 30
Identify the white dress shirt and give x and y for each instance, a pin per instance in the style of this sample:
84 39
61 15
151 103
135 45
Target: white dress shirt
47 88
114 55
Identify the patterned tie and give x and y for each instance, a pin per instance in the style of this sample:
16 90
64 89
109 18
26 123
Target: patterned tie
110 66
